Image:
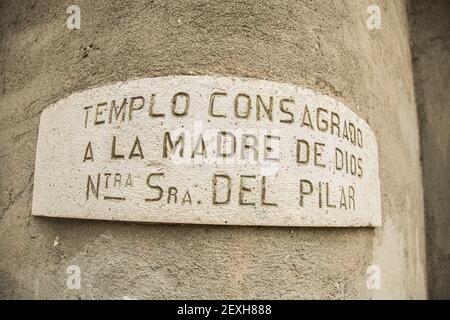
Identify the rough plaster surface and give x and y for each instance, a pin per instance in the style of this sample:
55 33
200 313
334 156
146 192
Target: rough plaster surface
430 30
322 45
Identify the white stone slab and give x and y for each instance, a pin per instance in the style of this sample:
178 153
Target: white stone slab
97 161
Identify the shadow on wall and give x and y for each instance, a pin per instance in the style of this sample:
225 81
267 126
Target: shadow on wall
430 35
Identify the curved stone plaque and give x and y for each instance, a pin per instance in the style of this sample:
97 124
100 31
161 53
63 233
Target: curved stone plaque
207 150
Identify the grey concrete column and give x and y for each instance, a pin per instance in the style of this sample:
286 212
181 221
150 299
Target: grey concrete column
321 45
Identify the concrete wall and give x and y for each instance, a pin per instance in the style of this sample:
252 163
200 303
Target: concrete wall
430 31
322 45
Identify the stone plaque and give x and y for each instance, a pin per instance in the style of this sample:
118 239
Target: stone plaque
207 150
